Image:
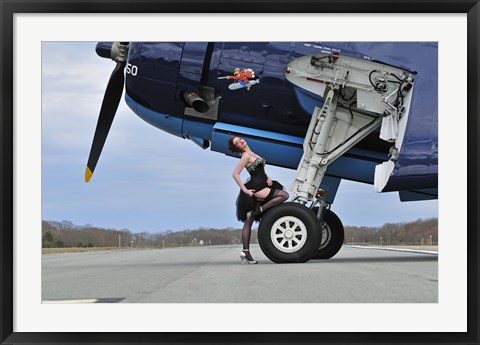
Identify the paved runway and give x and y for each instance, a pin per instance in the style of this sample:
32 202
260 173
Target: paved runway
213 274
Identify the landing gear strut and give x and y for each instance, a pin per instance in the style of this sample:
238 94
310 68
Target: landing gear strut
353 98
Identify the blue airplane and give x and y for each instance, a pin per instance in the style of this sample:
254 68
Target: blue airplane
359 111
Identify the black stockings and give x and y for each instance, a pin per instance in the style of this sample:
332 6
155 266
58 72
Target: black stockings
279 196
246 232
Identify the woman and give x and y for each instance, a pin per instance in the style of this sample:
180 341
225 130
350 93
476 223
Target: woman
257 195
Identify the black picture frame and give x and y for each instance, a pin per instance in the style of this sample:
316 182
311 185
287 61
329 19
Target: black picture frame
10 7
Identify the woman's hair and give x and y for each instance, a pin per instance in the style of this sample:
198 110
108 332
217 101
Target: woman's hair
231 146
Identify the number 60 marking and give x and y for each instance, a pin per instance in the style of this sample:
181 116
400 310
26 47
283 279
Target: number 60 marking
131 69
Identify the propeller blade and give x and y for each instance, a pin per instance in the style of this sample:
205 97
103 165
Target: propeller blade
110 103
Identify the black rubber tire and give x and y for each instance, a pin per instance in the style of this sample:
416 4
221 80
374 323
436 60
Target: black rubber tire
333 236
295 249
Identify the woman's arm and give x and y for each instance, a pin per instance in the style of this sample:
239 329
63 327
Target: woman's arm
269 181
236 174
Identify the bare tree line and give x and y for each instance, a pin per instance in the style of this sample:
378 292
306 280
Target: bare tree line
65 234
419 232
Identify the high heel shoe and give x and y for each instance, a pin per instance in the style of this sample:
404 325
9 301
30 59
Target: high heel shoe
248 259
255 214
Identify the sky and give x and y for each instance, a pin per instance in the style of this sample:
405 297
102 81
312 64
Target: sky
147 180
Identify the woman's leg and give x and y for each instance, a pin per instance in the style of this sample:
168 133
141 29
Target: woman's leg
278 197
246 233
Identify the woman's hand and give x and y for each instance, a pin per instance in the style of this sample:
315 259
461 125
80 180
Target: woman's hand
250 192
269 181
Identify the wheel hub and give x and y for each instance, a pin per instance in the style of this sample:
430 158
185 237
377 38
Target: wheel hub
288 234
326 235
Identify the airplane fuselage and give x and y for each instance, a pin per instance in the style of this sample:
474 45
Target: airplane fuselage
271 113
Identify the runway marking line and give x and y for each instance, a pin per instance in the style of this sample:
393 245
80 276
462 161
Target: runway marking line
432 252
71 301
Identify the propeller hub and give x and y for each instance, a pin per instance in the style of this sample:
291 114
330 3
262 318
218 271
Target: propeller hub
119 51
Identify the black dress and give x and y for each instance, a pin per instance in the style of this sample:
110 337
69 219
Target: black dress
257 181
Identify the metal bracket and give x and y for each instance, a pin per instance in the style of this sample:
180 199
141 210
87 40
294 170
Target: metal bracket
330 134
